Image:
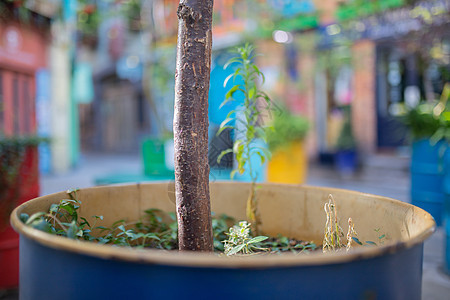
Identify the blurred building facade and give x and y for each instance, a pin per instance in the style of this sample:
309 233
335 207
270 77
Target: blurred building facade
104 73
319 57
375 57
25 68
132 56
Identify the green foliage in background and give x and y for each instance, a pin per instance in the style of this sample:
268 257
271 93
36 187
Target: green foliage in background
430 120
12 154
346 139
285 129
421 121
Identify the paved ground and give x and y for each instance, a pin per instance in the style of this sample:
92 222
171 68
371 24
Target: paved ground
384 175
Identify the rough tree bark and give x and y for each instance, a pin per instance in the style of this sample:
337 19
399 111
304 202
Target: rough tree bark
191 125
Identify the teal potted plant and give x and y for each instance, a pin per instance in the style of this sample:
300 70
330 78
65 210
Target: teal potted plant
285 138
428 128
346 154
429 124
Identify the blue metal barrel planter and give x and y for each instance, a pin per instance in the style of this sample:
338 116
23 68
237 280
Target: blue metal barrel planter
53 267
427 177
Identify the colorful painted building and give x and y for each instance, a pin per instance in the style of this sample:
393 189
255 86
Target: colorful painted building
23 51
376 57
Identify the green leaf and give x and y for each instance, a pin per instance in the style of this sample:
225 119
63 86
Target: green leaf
54 208
251 92
224 102
225 122
72 230
231 91
69 208
259 73
371 243
237 73
34 217
41 225
231 61
261 156
238 146
221 129
357 240
226 79
262 151
230 114
152 236
85 221
24 217
257 239
382 236
223 153
235 250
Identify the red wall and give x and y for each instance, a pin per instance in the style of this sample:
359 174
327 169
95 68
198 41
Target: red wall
23 50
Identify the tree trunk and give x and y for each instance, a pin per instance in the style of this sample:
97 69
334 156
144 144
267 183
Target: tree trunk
191 125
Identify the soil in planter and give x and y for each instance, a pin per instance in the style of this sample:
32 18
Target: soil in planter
157 230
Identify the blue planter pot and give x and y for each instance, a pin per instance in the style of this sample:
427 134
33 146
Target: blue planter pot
52 267
427 177
346 161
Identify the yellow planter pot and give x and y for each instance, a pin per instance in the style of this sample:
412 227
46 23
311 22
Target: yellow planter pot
288 165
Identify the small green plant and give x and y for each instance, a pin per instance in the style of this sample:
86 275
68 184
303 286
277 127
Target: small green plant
255 101
285 129
156 230
240 241
62 219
